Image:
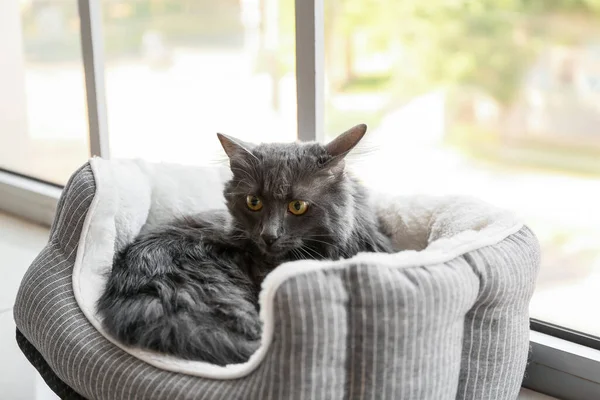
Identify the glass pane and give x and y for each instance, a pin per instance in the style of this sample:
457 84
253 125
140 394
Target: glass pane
43 123
180 71
495 99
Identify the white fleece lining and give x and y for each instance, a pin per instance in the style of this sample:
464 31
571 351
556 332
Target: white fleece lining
450 226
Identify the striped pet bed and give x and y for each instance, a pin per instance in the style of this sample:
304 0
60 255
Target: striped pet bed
445 318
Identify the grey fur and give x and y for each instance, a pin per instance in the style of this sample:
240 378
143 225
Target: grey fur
190 288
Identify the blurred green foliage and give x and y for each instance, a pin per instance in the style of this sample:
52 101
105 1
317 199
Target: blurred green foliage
487 44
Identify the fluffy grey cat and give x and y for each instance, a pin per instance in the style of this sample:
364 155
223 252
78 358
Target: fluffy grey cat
190 288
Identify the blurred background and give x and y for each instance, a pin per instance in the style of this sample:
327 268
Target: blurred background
498 99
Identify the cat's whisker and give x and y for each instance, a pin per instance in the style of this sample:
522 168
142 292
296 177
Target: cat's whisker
297 254
314 252
310 239
304 251
318 253
319 241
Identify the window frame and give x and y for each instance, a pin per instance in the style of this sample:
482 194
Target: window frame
563 363
310 69
92 51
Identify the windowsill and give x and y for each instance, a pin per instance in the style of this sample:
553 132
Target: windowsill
562 368
27 198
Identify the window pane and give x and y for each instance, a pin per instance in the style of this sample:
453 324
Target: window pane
43 125
180 71
494 99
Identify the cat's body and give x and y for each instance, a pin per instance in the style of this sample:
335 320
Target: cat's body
190 288
187 289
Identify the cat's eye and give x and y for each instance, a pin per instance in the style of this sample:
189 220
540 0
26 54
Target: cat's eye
254 202
298 207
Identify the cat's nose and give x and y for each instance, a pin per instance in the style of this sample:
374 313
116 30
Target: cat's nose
269 238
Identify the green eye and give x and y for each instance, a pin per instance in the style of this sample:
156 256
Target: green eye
254 203
298 207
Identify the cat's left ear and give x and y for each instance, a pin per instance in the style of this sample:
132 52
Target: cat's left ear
234 147
339 147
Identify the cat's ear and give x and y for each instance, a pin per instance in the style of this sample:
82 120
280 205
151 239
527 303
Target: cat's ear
339 147
234 147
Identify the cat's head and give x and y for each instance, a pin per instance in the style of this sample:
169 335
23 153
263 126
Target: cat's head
292 198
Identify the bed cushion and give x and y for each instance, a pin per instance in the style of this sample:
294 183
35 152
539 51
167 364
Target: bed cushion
445 318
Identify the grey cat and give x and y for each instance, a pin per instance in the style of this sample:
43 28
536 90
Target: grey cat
190 288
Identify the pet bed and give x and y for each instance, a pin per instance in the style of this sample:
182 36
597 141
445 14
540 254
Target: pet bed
445 318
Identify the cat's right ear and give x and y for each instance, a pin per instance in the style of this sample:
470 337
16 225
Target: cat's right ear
339 147
234 147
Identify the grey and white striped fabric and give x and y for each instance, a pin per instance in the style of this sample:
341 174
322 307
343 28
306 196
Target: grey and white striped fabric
457 330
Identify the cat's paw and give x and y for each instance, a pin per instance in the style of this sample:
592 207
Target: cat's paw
247 349
248 324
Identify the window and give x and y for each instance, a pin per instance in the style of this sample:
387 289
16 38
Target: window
43 128
485 99
178 72
495 99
